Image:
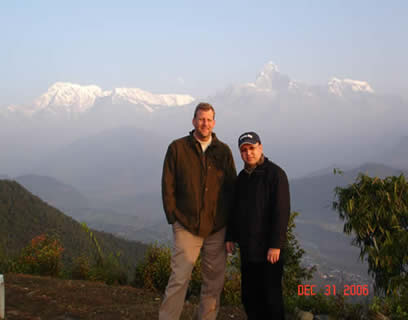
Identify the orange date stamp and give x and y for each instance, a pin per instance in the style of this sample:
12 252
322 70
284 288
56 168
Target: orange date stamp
331 290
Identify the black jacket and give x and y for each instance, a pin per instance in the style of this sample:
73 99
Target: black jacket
261 211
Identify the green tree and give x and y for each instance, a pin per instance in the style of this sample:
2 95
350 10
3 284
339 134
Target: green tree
375 211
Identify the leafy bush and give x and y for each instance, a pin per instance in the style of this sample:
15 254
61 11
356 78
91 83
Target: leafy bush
109 271
153 271
81 268
394 306
375 211
41 257
106 269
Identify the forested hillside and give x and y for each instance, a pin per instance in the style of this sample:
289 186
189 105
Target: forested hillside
24 216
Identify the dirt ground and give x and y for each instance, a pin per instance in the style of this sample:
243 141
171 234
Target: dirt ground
45 298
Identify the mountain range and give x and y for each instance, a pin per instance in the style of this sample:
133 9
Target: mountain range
344 120
64 99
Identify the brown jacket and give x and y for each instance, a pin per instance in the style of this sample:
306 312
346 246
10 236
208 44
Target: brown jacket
197 187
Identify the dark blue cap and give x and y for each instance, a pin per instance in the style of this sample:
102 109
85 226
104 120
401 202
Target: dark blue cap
248 138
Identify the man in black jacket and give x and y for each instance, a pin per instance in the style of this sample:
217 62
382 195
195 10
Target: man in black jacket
258 223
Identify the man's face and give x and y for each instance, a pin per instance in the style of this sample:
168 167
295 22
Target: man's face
203 124
251 153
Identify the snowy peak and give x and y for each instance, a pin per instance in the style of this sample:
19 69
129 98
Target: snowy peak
69 99
73 97
340 87
270 79
269 68
139 96
271 82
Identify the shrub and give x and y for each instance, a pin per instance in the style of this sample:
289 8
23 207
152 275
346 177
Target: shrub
42 257
81 268
109 271
394 306
153 271
375 212
106 269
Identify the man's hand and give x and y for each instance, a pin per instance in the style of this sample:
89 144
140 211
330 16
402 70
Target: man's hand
230 247
273 255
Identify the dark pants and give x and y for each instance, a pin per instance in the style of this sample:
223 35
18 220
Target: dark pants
262 290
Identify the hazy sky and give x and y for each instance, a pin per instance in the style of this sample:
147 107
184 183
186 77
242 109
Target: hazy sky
198 47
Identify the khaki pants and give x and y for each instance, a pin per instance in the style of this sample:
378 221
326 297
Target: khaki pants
186 249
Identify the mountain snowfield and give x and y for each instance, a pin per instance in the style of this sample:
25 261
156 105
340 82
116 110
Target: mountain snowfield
340 87
70 98
271 80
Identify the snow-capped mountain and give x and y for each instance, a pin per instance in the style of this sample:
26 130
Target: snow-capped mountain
340 87
270 81
69 96
136 96
64 98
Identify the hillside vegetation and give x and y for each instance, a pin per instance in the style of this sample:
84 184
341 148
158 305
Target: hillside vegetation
24 216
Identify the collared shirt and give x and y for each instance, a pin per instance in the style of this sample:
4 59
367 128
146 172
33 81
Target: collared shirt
204 144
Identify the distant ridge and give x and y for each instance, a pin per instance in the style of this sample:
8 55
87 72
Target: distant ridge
314 194
57 194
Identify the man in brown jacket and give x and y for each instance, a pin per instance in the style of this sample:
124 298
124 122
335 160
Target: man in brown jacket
197 187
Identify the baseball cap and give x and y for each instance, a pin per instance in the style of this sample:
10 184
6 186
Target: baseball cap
248 138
